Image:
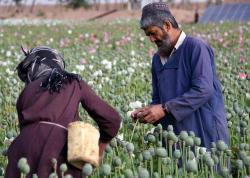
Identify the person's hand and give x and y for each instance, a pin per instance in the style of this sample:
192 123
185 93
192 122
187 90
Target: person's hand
136 114
102 147
150 114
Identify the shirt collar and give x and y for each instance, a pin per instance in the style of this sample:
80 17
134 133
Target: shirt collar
180 40
177 45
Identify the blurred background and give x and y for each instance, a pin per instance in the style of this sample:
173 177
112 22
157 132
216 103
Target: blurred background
185 11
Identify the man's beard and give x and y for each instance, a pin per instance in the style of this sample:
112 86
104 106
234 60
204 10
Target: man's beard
165 46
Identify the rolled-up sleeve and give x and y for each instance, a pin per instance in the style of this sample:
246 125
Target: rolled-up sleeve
106 117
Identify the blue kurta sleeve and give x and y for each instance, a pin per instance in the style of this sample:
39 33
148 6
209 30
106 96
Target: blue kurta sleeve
155 92
201 83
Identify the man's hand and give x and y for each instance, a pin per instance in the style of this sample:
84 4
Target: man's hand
102 147
137 113
149 114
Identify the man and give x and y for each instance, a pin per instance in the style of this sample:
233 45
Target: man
186 91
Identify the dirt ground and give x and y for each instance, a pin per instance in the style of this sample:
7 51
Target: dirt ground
63 13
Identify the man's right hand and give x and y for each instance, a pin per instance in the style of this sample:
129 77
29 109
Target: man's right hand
139 113
148 114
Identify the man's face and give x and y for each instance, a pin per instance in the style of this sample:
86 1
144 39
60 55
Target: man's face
161 38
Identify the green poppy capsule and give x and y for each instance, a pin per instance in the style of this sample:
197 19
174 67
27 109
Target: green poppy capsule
242 146
105 170
155 175
128 173
242 154
116 161
9 134
247 147
176 139
229 152
146 155
34 176
191 134
170 128
189 141
159 127
68 176
63 167
202 151
159 144
165 134
14 133
113 143
3 151
197 141
152 151
169 176
239 164
53 161
130 147
161 152
243 124
21 162
216 159
192 166
171 135
246 160
183 135
87 169
108 149
53 175
221 145
213 145
166 161
177 154
143 173
151 138
224 172
209 162
25 168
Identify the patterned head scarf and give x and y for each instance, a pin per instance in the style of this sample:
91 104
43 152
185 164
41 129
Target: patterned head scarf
47 64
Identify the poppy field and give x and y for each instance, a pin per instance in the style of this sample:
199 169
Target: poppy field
115 59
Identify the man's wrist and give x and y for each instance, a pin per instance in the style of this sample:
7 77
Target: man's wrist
165 108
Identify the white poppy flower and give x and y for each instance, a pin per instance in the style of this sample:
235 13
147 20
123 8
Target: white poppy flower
80 67
69 31
135 105
8 53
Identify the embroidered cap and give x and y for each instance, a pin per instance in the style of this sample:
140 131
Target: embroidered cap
152 9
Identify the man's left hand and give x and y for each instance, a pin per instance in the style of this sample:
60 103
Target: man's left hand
151 114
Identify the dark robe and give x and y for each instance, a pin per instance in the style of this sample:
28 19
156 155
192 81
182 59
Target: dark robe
39 142
187 84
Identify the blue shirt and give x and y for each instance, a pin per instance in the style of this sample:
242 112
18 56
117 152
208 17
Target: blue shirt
188 85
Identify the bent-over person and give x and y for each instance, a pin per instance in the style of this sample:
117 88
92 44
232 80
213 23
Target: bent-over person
47 104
